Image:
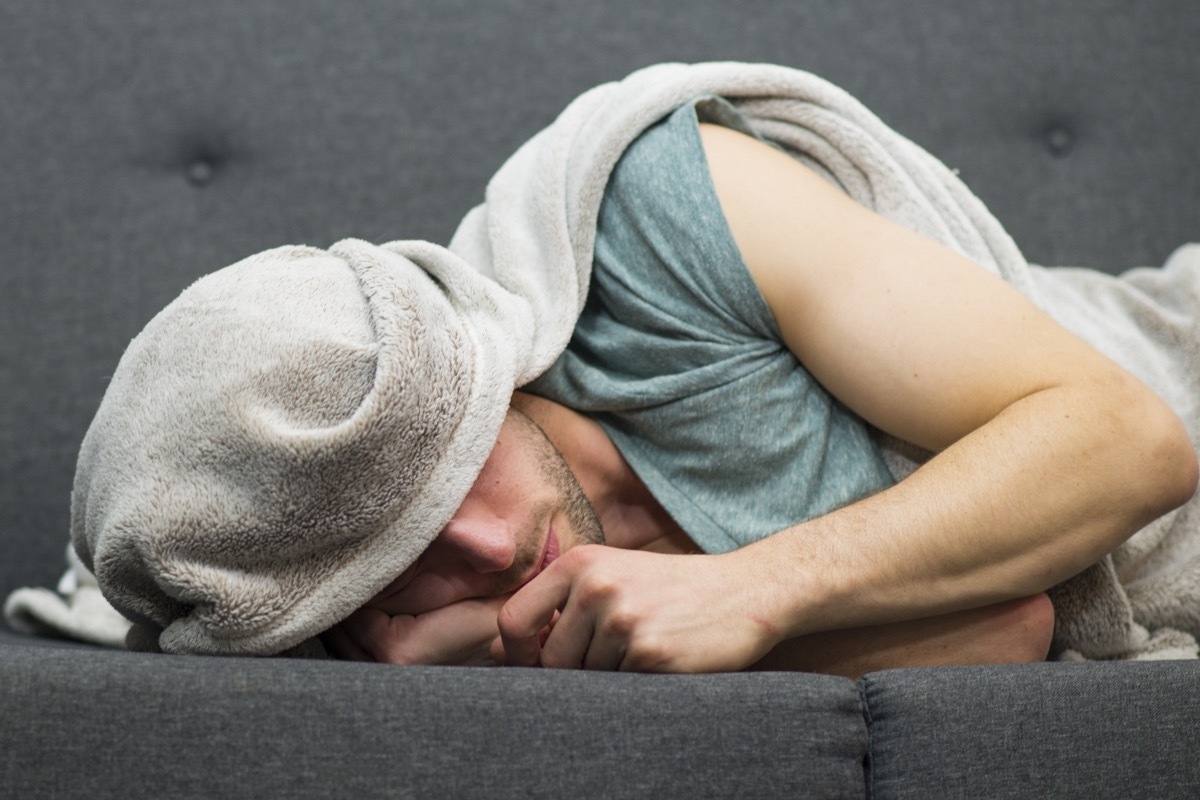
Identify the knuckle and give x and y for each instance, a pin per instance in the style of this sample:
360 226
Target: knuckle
505 620
509 621
621 623
583 556
598 589
401 641
648 656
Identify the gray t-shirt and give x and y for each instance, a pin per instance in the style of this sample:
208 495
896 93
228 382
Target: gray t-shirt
678 357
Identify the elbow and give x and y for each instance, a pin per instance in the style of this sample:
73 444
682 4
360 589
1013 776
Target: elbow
1036 632
1184 471
1170 471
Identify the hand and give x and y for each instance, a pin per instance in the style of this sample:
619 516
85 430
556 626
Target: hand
460 634
628 610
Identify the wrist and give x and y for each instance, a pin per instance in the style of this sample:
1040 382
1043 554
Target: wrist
788 593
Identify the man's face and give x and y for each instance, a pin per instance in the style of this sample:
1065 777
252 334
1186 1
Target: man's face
522 512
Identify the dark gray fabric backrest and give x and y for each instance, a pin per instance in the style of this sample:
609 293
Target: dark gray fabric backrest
146 143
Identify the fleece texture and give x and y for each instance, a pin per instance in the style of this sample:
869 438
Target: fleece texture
289 434
285 438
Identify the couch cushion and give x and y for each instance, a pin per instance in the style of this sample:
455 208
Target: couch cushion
1094 730
148 143
176 726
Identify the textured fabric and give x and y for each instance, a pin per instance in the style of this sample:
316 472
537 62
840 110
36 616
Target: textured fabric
232 728
840 139
1046 730
677 355
1145 599
146 144
535 235
76 609
211 497
285 438
1151 610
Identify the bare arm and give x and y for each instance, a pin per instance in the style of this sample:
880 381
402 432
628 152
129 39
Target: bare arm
1048 454
1012 632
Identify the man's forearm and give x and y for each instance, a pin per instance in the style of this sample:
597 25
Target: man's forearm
1035 496
1013 632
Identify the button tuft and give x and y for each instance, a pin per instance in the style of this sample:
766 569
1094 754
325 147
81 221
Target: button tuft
200 172
1059 140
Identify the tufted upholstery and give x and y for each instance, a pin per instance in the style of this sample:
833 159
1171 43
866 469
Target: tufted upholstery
146 143
149 143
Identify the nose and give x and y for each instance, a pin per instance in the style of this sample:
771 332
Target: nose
484 545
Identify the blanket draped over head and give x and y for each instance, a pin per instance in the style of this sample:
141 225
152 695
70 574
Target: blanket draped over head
287 436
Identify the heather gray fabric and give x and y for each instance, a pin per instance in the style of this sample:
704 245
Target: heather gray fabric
288 434
678 357
326 729
1047 730
210 497
146 144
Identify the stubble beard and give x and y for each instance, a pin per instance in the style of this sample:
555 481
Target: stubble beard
569 502
581 516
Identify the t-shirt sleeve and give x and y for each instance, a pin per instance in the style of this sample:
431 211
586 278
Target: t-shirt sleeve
678 356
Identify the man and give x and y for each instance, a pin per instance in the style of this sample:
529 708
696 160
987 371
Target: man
308 430
526 510
982 366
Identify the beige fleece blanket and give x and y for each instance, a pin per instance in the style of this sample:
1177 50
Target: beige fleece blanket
534 235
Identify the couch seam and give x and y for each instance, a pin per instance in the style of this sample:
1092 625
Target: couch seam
869 759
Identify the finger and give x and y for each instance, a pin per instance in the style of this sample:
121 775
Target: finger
397 586
497 651
544 633
461 633
497 648
377 634
569 642
604 653
528 611
424 593
579 642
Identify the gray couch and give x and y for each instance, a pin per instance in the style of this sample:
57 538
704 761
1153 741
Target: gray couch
146 143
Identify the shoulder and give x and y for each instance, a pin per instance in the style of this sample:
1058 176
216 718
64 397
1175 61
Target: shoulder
918 340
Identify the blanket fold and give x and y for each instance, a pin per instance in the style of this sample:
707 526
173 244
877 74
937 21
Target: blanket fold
510 285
